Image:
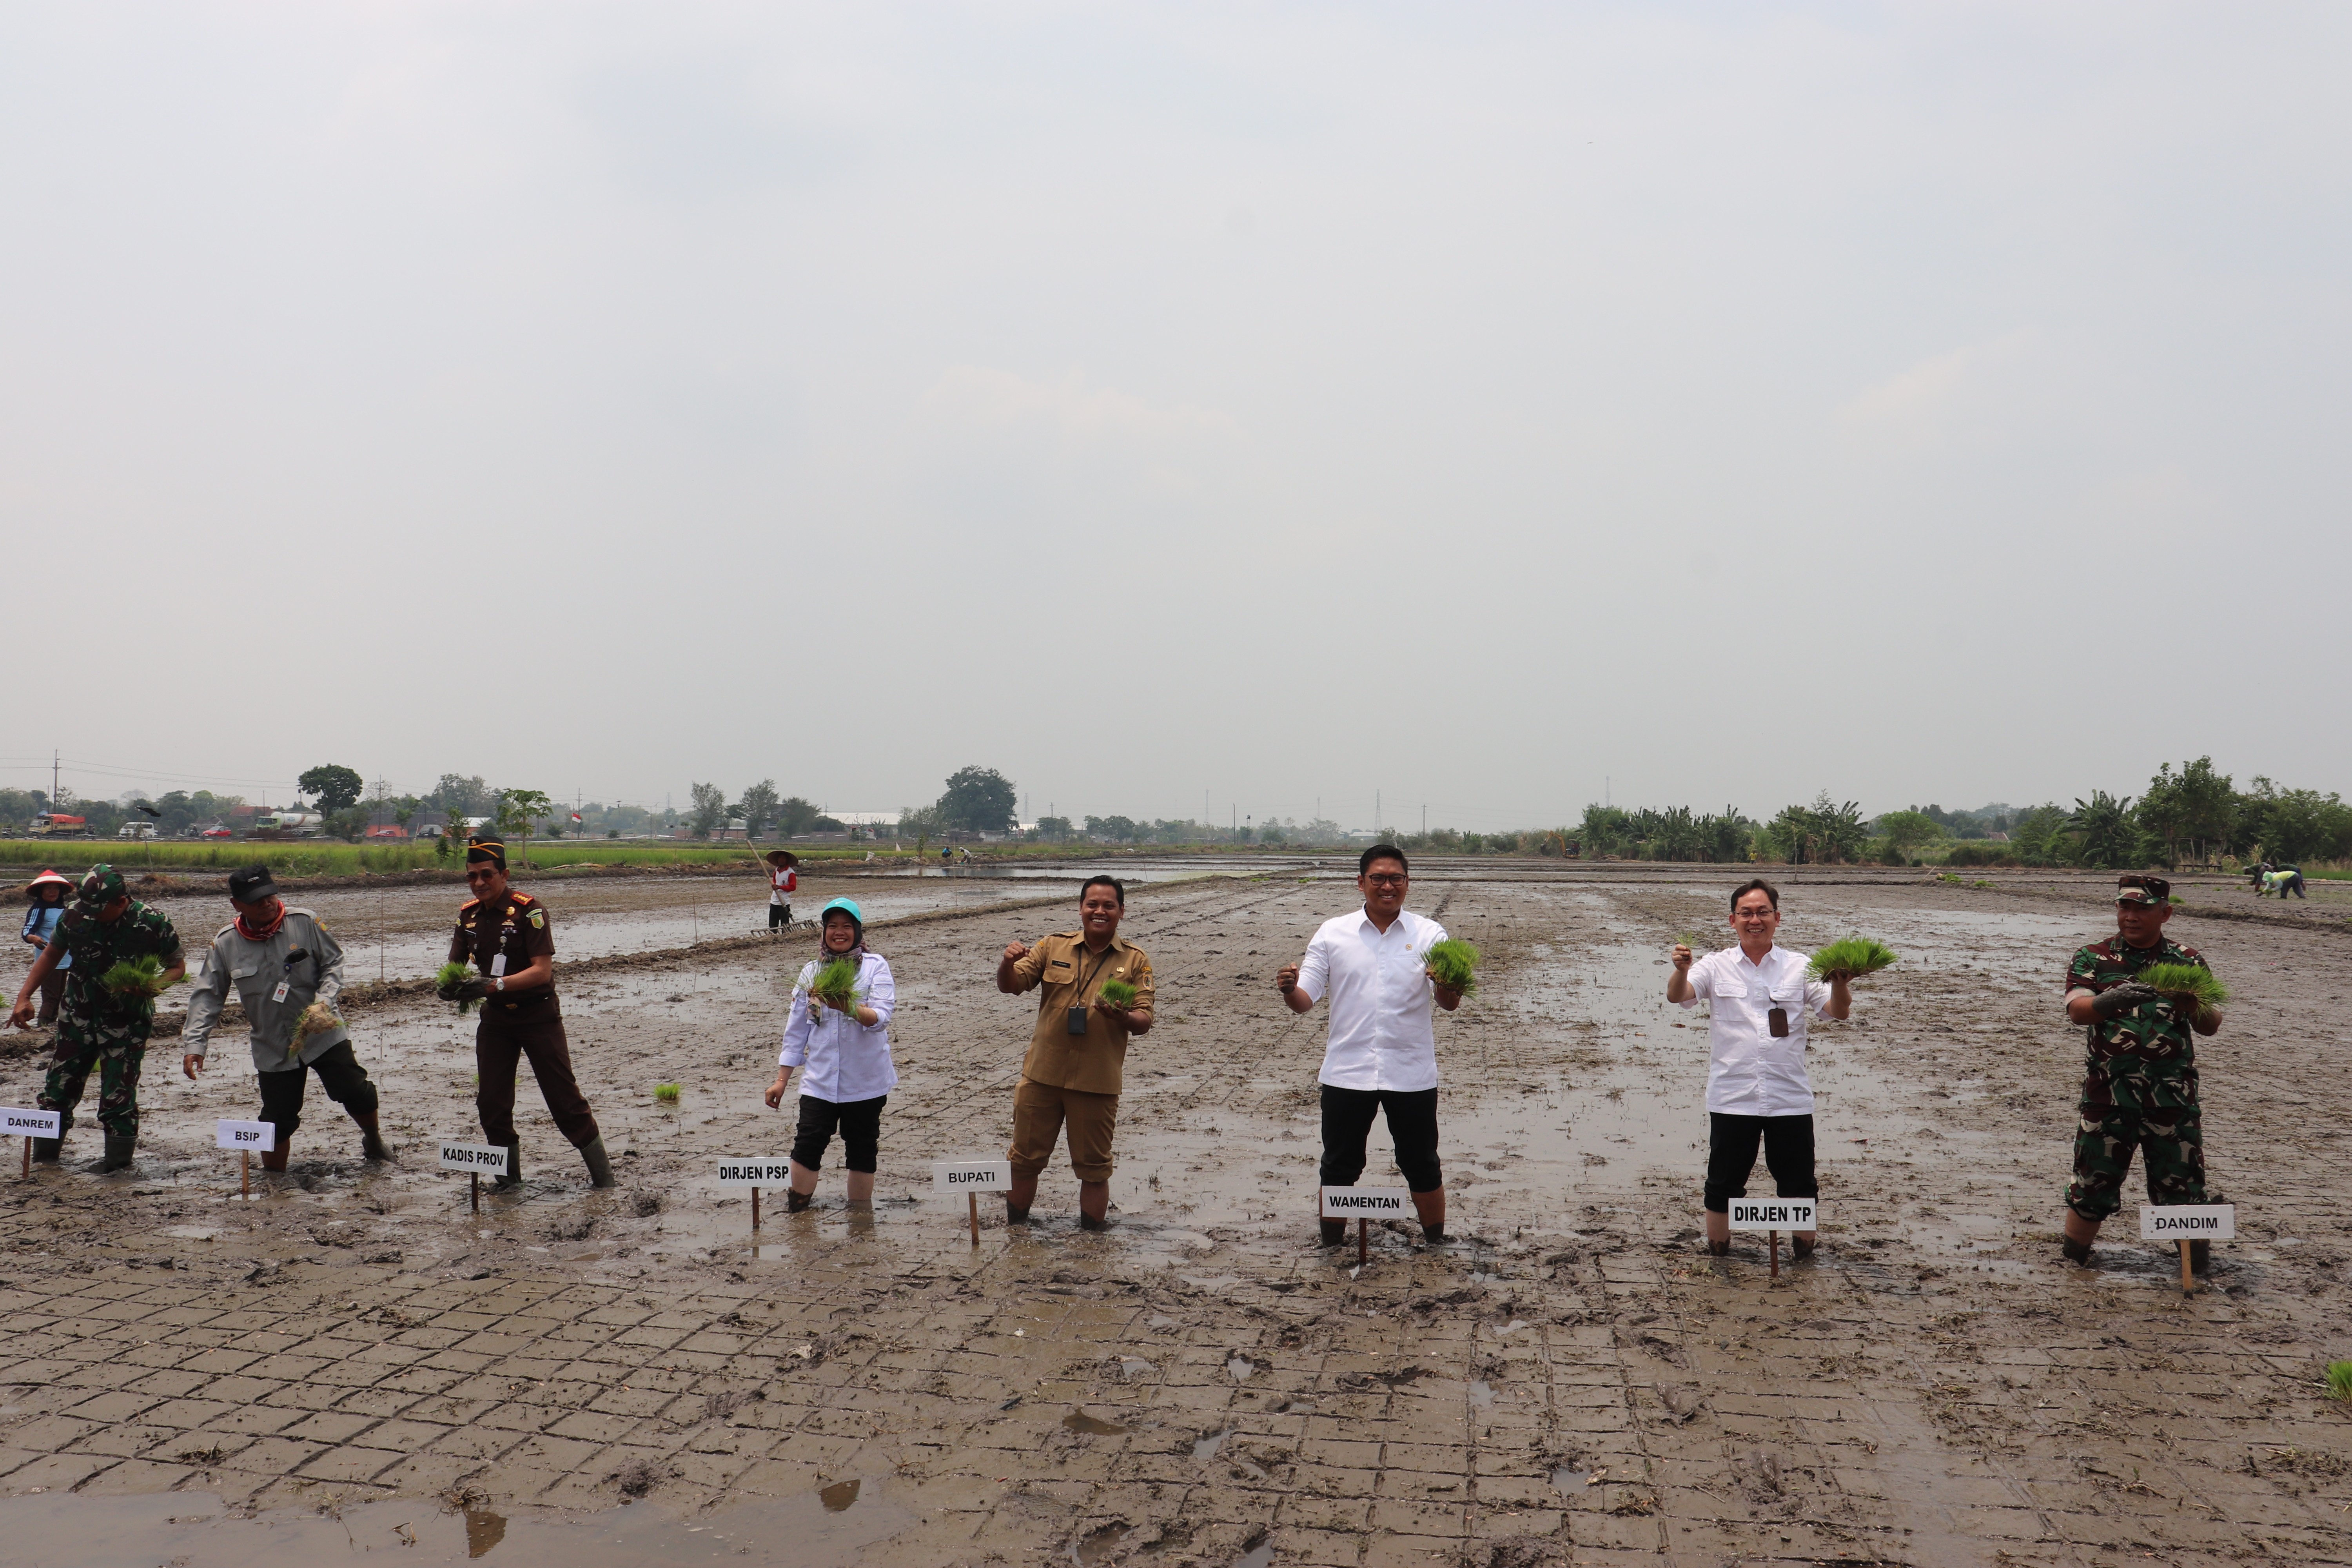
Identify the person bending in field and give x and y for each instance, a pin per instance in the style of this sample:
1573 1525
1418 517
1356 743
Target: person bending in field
1380 1056
1756 1089
2140 1071
844 1048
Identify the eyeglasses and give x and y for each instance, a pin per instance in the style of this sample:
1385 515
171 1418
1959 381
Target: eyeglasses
1384 879
480 876
2156 885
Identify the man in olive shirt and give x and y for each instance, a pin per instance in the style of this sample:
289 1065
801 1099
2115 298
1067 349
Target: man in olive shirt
1072 1072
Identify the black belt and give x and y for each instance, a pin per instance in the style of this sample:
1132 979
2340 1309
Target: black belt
499 1000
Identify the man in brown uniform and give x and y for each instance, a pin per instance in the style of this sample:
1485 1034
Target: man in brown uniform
506 935
1072 1072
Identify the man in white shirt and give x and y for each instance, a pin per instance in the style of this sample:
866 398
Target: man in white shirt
783 880
1381 1056
1756 1082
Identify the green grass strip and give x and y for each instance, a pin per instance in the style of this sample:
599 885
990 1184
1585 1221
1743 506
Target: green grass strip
1454 963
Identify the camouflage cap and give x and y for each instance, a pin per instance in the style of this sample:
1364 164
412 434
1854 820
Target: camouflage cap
2135 889
101 886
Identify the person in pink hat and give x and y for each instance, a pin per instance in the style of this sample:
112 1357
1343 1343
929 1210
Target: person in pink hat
47 893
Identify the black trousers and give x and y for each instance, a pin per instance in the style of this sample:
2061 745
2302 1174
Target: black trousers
860 1124
779 915
529 1026
340 1074
1731 1156
1413 1127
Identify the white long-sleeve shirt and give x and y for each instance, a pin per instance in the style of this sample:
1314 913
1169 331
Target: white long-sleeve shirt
1749 1072
1382 1030
842 1060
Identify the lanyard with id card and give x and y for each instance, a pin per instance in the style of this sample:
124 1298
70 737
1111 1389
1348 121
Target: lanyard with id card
1076 1018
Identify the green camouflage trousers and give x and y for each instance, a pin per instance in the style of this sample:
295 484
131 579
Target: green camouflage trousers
118 1050
2171 1142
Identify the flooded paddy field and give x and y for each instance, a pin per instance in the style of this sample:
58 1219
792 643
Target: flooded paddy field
353 1363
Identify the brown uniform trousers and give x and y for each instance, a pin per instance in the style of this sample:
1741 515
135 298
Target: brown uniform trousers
510 1029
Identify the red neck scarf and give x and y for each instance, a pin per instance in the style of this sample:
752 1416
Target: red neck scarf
266 932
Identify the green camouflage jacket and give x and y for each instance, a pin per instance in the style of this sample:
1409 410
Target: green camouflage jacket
96 948
2144 1058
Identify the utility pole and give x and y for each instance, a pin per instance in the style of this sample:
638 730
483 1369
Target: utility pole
53 781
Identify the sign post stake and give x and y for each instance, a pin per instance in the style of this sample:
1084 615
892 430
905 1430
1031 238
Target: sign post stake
29 1156
755 1209
973 1199
2188 1280
1774 1237
245 1172
476 1177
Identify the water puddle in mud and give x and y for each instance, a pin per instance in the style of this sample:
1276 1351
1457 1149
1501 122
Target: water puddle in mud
1079 1421
196 1531
1205 1448
1099 1546
1241 1367
1259 1556
1570 1481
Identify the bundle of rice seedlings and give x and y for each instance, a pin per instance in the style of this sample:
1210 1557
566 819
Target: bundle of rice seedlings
1117 993
455 973
1852 957
2340 1380
316 1019
141 977
835 983
2185 985
1453 963
1693 941
666 1093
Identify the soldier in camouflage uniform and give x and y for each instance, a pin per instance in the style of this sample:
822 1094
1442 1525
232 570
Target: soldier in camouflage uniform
100 1028
2139 1080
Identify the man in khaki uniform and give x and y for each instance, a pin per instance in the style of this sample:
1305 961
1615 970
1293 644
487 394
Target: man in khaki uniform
1073 1072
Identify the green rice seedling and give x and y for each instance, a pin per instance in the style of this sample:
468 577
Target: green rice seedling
454 973
666 1093
1693 941
835 983
2186 984
1852 957
1453 963
142 976
316 1019
1117 993
2340 1380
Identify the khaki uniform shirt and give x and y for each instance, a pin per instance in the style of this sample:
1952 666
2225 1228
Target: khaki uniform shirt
1071 976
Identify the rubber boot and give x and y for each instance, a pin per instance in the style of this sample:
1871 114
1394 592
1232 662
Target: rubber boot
44 1151
794 1202
1799 1248
118 1152
371 1144
1719 1248
1089 1222
512 1180
1433 1234
1014 1213
1334 1231
2076 1251
275 1159
2201 1257
600 1169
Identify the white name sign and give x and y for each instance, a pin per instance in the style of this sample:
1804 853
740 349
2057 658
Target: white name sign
954 1178
261 1135
15 1123
1775 1213
1366 1203
755 1173
2190 1222
488 1159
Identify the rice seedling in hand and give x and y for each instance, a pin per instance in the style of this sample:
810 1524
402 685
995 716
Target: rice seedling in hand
666 1093
136 977
1852 957
1117 993
316 1019
2340 1380
1693 941
1453 963
2189 986
836 984
451 975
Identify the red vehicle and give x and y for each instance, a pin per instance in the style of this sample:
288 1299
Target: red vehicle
218 832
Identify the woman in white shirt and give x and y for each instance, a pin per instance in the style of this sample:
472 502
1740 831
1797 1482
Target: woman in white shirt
847 1052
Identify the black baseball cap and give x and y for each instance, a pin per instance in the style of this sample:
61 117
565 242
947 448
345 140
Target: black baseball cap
251 884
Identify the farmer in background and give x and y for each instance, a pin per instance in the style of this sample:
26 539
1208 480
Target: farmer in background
2139 1070
278 962
506 934
47 897
1757 1087
105 926
782 880
845 1047
2279 879
1382 1053
1077 1053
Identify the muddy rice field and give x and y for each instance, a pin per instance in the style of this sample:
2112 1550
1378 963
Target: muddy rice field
351 1364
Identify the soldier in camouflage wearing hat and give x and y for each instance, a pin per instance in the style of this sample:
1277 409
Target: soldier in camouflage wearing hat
2140 1082
100 1027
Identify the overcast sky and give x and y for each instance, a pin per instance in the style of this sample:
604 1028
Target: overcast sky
1482 405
